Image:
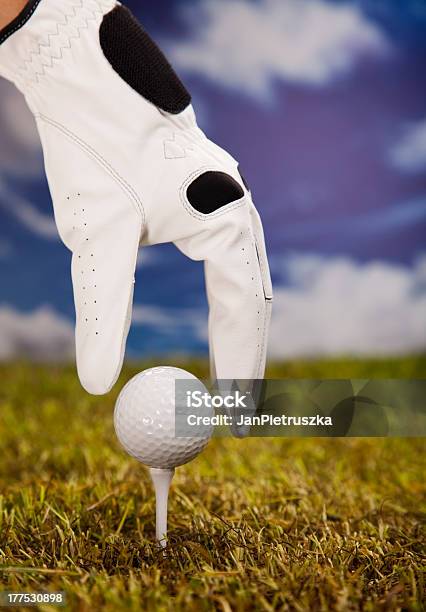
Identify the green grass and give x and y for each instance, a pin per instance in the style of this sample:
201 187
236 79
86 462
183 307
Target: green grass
259 524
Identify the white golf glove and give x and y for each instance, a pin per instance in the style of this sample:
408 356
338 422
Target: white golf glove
128 166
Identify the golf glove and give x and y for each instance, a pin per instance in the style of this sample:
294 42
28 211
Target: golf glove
127 166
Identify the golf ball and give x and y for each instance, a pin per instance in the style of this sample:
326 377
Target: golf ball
144 419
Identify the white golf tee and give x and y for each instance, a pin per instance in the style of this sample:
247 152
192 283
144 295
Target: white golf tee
162 480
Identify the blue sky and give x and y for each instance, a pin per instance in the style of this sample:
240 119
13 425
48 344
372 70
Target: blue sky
324 104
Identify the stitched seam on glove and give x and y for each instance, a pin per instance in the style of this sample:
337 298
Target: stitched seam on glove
55 52
264 272
125 186
264 305
257 272
267 307
201 216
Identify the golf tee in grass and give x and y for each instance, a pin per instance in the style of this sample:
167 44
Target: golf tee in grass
162 480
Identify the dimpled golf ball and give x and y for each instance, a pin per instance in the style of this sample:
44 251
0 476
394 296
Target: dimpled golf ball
144 419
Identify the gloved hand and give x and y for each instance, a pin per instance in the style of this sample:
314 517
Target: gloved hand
128 166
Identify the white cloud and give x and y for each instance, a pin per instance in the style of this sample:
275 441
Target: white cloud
27 214
148 256
409 153
39 335
20 158
336 306
172 320
20 150
327 306
153 316
247 45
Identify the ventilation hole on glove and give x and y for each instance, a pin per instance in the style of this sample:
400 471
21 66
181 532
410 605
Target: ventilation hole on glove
78 195
87 240
213 190
95 302
91 255
97 333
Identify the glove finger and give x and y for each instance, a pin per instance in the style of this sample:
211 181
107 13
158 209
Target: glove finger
103 278
239 309
100 221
